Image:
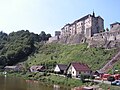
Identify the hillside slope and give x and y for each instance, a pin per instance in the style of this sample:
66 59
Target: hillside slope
50 54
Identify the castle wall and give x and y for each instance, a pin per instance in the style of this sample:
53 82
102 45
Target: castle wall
88 28
88 25
72 29
51 39
109 36
79 26
100 24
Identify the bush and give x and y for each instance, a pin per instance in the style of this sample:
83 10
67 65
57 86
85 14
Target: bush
111 78
92 77
30 75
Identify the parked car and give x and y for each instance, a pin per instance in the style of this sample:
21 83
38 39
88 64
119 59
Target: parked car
116 82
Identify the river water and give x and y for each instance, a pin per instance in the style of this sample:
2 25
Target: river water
13 83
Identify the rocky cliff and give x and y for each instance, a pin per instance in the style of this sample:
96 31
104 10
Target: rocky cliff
108 39
74 39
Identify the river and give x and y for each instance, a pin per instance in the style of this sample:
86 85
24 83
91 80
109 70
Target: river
13 83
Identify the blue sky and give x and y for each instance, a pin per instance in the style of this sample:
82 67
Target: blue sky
52 15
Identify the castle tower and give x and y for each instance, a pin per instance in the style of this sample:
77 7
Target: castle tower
93 14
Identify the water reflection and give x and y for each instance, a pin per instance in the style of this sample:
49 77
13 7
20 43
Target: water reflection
12 83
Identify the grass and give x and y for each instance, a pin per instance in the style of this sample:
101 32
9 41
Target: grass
49 79
54 79
115 67
106 86
50 54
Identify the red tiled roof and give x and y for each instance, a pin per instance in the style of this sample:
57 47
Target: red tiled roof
80 66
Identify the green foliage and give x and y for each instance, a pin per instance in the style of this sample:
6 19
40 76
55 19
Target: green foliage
23 45
58 53
43 36
17 46
111 87
111 78
116 68
54 79
107 29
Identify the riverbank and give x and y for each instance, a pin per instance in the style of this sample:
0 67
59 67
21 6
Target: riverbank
49 79
52 79
111 87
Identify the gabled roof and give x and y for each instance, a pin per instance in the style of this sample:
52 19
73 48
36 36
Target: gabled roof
114 23
80 66
36 67
10 67
62 66
83 18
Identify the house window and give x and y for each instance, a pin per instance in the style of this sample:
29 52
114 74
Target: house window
73 72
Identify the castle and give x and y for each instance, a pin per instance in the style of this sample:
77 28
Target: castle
87 25
89 29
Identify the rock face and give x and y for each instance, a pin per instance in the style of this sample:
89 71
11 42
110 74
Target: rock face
109 39
74 39
104 42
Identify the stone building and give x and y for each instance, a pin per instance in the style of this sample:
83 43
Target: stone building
56 37
57 33
115 26
113 34
87 25
108 39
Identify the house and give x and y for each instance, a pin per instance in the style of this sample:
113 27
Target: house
98 73
12 68
60 68
37 68
76 68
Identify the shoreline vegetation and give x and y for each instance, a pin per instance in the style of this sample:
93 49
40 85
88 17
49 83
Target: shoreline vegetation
48 78
53 79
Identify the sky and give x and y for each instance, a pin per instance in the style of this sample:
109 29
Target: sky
52 15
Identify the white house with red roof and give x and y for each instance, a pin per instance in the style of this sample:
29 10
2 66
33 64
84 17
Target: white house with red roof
76 68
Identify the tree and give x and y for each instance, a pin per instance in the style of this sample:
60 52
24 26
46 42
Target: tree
104 30
17 46
42 36
48 36
3 60
107 29
26 66
111 79
82 77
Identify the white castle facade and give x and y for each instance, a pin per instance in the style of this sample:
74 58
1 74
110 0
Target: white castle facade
87 25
